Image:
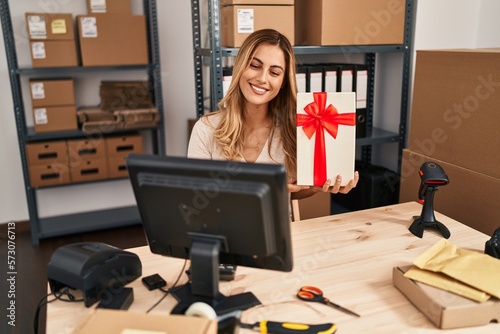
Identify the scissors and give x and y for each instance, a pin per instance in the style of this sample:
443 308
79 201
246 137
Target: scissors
313 294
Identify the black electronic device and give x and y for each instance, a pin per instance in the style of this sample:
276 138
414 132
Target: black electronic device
97 269
153 282
432 176
213 212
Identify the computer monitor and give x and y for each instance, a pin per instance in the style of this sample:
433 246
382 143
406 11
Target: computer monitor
213 212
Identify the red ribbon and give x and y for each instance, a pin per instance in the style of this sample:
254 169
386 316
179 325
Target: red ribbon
317 120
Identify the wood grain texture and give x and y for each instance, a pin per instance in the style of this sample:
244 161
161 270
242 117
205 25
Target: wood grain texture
349 256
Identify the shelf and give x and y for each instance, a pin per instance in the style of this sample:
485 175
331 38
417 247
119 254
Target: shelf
94 220
378 136
88 221
305 50
31 136
78 69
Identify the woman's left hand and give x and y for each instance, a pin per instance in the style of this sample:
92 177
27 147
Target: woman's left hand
337 188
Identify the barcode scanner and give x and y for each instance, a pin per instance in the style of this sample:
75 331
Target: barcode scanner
432 176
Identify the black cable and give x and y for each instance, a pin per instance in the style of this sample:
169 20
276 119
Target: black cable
167 291
57 296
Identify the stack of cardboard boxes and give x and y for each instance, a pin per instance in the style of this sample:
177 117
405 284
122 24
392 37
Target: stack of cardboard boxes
52 40
80 160
316 22
454 122
48 163
54 106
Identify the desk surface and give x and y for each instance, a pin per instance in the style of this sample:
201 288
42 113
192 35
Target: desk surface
349 256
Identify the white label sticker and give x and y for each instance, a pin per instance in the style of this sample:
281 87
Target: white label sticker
89 27
245 21
98 6
38 50
36 26
37 90
41 116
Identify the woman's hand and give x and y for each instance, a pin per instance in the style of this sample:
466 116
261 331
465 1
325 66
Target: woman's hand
294 188
299 192
336 188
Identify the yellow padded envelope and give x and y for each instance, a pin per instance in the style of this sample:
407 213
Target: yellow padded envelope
475 269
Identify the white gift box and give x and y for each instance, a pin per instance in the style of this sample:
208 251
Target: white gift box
331 116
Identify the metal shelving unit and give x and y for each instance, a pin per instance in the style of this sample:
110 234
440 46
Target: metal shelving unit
86 221
374 135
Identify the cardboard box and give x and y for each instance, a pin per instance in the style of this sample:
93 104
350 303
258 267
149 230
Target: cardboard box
52 92
117 167
445 309
49 175
123 145
109 6
53 26
328 151
315 206
54 119
113 39
455 114
239 21
99 322
44 153
86 148
354 22
470 197
82 170
53 54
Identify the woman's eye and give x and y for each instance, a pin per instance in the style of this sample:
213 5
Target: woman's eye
254 66
275 74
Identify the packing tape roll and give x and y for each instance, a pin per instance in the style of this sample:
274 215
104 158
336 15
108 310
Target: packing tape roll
201 310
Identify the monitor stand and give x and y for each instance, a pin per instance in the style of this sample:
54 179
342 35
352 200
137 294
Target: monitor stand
204 285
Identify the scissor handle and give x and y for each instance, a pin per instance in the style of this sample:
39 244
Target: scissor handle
312 289
311 294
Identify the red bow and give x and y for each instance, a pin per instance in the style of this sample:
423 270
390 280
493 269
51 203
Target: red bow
317 119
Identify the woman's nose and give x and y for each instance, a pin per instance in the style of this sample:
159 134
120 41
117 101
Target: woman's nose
262 76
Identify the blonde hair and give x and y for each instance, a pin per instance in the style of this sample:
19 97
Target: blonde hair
228 133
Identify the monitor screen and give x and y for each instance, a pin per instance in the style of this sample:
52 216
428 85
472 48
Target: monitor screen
213 212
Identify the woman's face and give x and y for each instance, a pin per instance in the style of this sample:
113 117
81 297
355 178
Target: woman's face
263 79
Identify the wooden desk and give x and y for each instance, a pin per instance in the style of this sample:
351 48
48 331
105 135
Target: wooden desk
350 256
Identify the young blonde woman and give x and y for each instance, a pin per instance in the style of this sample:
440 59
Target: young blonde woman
256 120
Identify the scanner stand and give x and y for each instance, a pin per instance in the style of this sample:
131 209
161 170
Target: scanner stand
427 218
204 284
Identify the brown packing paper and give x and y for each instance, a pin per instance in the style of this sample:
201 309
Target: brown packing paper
446 283
473 268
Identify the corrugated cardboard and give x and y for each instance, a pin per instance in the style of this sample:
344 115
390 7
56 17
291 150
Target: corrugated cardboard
82 170
239 21
315 206
86 148
43 153
470 197
123 145
49 175
354 22
445 309
53 53
109 6
54 119
52 92
53 26
99 322
454 115
117 167
112 39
